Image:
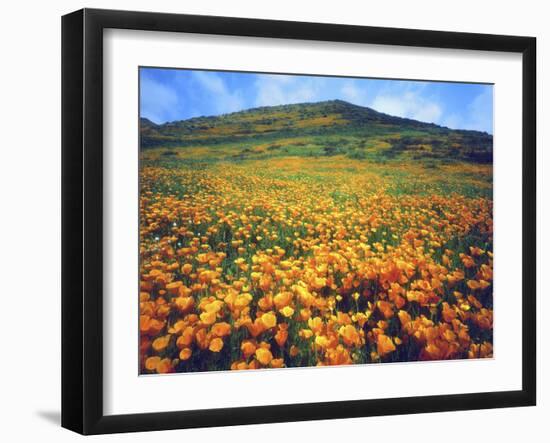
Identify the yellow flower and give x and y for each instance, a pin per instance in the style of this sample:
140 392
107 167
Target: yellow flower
386 308
164 366
214 307
404 317
151 363
208 318
269 320
367 273
319 282
185 354
264 356
221 329
350 335
216 345
161 343
384 345
184 304
173 287
287 311
282 299
248 348
321 341
316 324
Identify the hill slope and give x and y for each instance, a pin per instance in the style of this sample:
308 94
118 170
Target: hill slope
326 128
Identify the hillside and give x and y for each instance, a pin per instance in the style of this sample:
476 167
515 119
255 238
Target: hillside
323 128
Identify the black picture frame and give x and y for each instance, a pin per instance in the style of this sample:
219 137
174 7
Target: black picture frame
82 218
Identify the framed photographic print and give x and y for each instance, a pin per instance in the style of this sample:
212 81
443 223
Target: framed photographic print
270 221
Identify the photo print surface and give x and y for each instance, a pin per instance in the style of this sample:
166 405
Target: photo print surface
297 221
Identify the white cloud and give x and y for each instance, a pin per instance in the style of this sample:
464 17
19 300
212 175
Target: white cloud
224 100
158 102
210 81
428 112
412 102
354 94
453 121
272 90
480 112
477 116
409 104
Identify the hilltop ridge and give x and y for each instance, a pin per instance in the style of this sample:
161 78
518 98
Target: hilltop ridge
335 126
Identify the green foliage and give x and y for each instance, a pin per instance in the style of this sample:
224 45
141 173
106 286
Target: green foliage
357 154
319 129
330 151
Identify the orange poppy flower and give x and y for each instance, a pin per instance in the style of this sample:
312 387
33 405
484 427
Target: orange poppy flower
264 356
384 345
216 344
269 320
161 343
221 329
151 363
185 354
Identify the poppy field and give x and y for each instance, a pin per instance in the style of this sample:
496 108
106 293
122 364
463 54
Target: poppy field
282 261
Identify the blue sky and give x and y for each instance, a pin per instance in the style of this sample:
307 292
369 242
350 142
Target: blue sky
175 94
